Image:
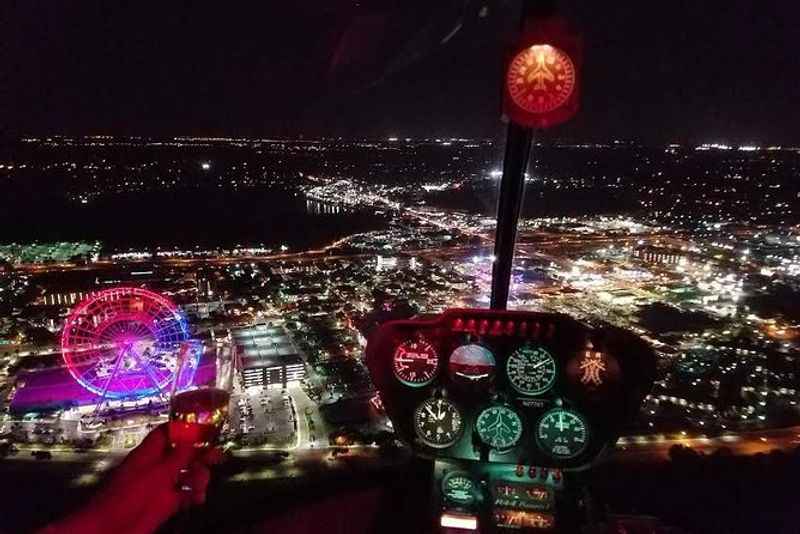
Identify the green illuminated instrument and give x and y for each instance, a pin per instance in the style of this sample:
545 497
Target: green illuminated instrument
562 433
531 370
499 427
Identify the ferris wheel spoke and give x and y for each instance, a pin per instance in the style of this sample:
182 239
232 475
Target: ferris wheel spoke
148 371
111 378
82 333
162 328
122 340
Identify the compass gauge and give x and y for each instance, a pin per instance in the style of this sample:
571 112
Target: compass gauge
499 427
541 78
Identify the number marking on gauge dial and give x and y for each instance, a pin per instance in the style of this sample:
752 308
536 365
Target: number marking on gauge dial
499 427
531 370
562 433
438 423
459 488
415 363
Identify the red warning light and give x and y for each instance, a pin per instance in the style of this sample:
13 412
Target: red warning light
484 328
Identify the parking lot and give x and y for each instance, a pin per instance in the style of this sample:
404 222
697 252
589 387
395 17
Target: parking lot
263 417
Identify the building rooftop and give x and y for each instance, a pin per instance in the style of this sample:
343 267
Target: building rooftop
265 346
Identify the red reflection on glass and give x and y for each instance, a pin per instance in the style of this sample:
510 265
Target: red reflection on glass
196 417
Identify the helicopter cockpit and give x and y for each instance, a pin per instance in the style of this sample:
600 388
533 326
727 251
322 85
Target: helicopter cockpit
507 404
390 331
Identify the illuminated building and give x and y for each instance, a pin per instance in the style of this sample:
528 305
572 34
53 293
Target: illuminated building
273 370
659 255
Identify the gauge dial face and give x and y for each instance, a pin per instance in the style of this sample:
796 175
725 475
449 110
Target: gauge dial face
562 433
415 362
531 370
499 427
459 488
541 78
438 423
472 364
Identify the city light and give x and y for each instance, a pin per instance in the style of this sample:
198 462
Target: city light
685 274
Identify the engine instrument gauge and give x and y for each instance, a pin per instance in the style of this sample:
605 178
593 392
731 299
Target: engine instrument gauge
415 362
562 433
499 427
438 423
472 364
459 488
531 370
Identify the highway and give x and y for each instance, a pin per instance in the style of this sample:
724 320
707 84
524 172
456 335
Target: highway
651 448
656 447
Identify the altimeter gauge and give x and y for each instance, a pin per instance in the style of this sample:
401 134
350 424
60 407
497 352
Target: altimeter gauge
438 423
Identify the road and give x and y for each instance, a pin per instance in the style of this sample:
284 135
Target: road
656 447
629 449
225 367
308 416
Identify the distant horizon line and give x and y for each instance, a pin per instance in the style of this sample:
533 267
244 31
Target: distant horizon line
443 140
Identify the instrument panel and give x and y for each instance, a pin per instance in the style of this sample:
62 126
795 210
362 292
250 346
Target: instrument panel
498 496
509 387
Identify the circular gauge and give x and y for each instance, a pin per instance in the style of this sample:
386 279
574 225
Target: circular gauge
472 364
415 362
562 433
459 488
499 427
438 423
531 370
541 78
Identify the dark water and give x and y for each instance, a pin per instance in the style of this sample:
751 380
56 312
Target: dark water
180 218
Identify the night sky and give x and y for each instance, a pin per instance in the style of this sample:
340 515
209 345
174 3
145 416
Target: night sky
654 71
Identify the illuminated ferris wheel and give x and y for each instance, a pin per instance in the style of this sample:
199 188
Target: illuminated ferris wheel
128 343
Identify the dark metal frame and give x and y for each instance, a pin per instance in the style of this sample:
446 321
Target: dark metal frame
512 184
512 189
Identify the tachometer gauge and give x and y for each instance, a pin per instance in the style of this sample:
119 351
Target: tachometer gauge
531 370
562 433
438 423
472 364
499 427
415 362
459 488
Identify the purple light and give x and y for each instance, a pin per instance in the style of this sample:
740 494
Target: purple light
124 343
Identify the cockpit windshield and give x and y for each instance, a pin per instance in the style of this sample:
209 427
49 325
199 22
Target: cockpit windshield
359 266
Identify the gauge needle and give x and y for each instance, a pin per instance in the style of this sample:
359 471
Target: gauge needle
560 422
537 365
430 411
